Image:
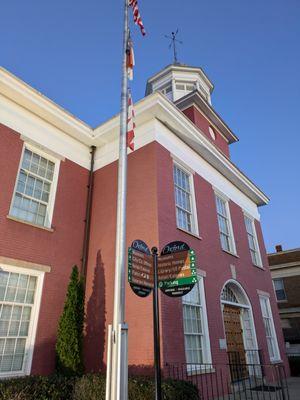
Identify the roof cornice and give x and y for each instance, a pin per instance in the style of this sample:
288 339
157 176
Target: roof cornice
194 98
154 106
158 106
19 92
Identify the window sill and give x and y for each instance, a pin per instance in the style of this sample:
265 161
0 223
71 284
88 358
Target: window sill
231 254
199 370
259 267
190 233
279 361
29 223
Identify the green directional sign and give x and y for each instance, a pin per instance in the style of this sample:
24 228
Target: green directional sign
140 269
177 271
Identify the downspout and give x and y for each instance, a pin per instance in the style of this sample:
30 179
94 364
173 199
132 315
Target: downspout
87 221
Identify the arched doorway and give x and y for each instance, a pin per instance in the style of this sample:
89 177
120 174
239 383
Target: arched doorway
239 329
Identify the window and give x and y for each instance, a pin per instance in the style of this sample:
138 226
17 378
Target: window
269 328
252 240
167 91
34 192
184 200
212 132
17 313
279 289
185 86
196 338
225 228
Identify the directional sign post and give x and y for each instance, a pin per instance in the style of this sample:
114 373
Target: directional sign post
156 327
174 272
177 271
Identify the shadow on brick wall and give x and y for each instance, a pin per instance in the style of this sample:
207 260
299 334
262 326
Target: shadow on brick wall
94 340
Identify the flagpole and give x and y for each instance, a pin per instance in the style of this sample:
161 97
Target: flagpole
119 360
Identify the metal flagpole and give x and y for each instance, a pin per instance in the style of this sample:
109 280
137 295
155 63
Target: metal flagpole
117 373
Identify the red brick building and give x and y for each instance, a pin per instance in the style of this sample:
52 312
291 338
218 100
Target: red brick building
182 185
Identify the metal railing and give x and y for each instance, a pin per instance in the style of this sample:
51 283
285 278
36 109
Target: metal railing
215 381
242 363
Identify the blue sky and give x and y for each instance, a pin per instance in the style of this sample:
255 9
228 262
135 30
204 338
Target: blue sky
70 50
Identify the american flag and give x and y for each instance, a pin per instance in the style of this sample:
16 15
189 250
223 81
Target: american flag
130 123
130 62
137 16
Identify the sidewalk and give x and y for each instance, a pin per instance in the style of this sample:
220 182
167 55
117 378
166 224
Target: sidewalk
294 388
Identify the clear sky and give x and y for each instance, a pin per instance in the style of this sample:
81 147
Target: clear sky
70 50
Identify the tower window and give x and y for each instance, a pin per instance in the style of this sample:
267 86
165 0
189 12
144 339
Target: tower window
187 87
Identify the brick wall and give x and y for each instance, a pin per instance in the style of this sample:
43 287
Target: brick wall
60 249
291 287
201 122
212 259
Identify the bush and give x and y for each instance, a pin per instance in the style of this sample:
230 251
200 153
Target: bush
69 360
37 387
89 387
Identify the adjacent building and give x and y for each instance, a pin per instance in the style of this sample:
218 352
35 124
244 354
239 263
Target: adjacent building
285 271
182 185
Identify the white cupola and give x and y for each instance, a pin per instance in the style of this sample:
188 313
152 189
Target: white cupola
177 80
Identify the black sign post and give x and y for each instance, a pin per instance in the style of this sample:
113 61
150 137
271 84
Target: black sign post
174 272
156 327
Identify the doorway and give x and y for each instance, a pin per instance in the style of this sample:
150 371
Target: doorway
235 342
239 330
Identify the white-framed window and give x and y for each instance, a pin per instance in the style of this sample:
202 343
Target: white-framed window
20 294
186 215
185 86
195 326
167 91
252 240
269 328
279 289
225 225
35 188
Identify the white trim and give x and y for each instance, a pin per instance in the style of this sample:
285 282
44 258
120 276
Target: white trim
230 227
262 293
283 288
195 226
290 310
29 113
221 194
247 215
37 145
24 264
27 124
201 273
286 272
187 156
53 188
181 164
277 356
208 358
247 306
30 341
29 98
206 350
159 107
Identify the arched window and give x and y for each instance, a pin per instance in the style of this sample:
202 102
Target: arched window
228 295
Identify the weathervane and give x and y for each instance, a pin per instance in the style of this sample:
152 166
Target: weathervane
173 43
